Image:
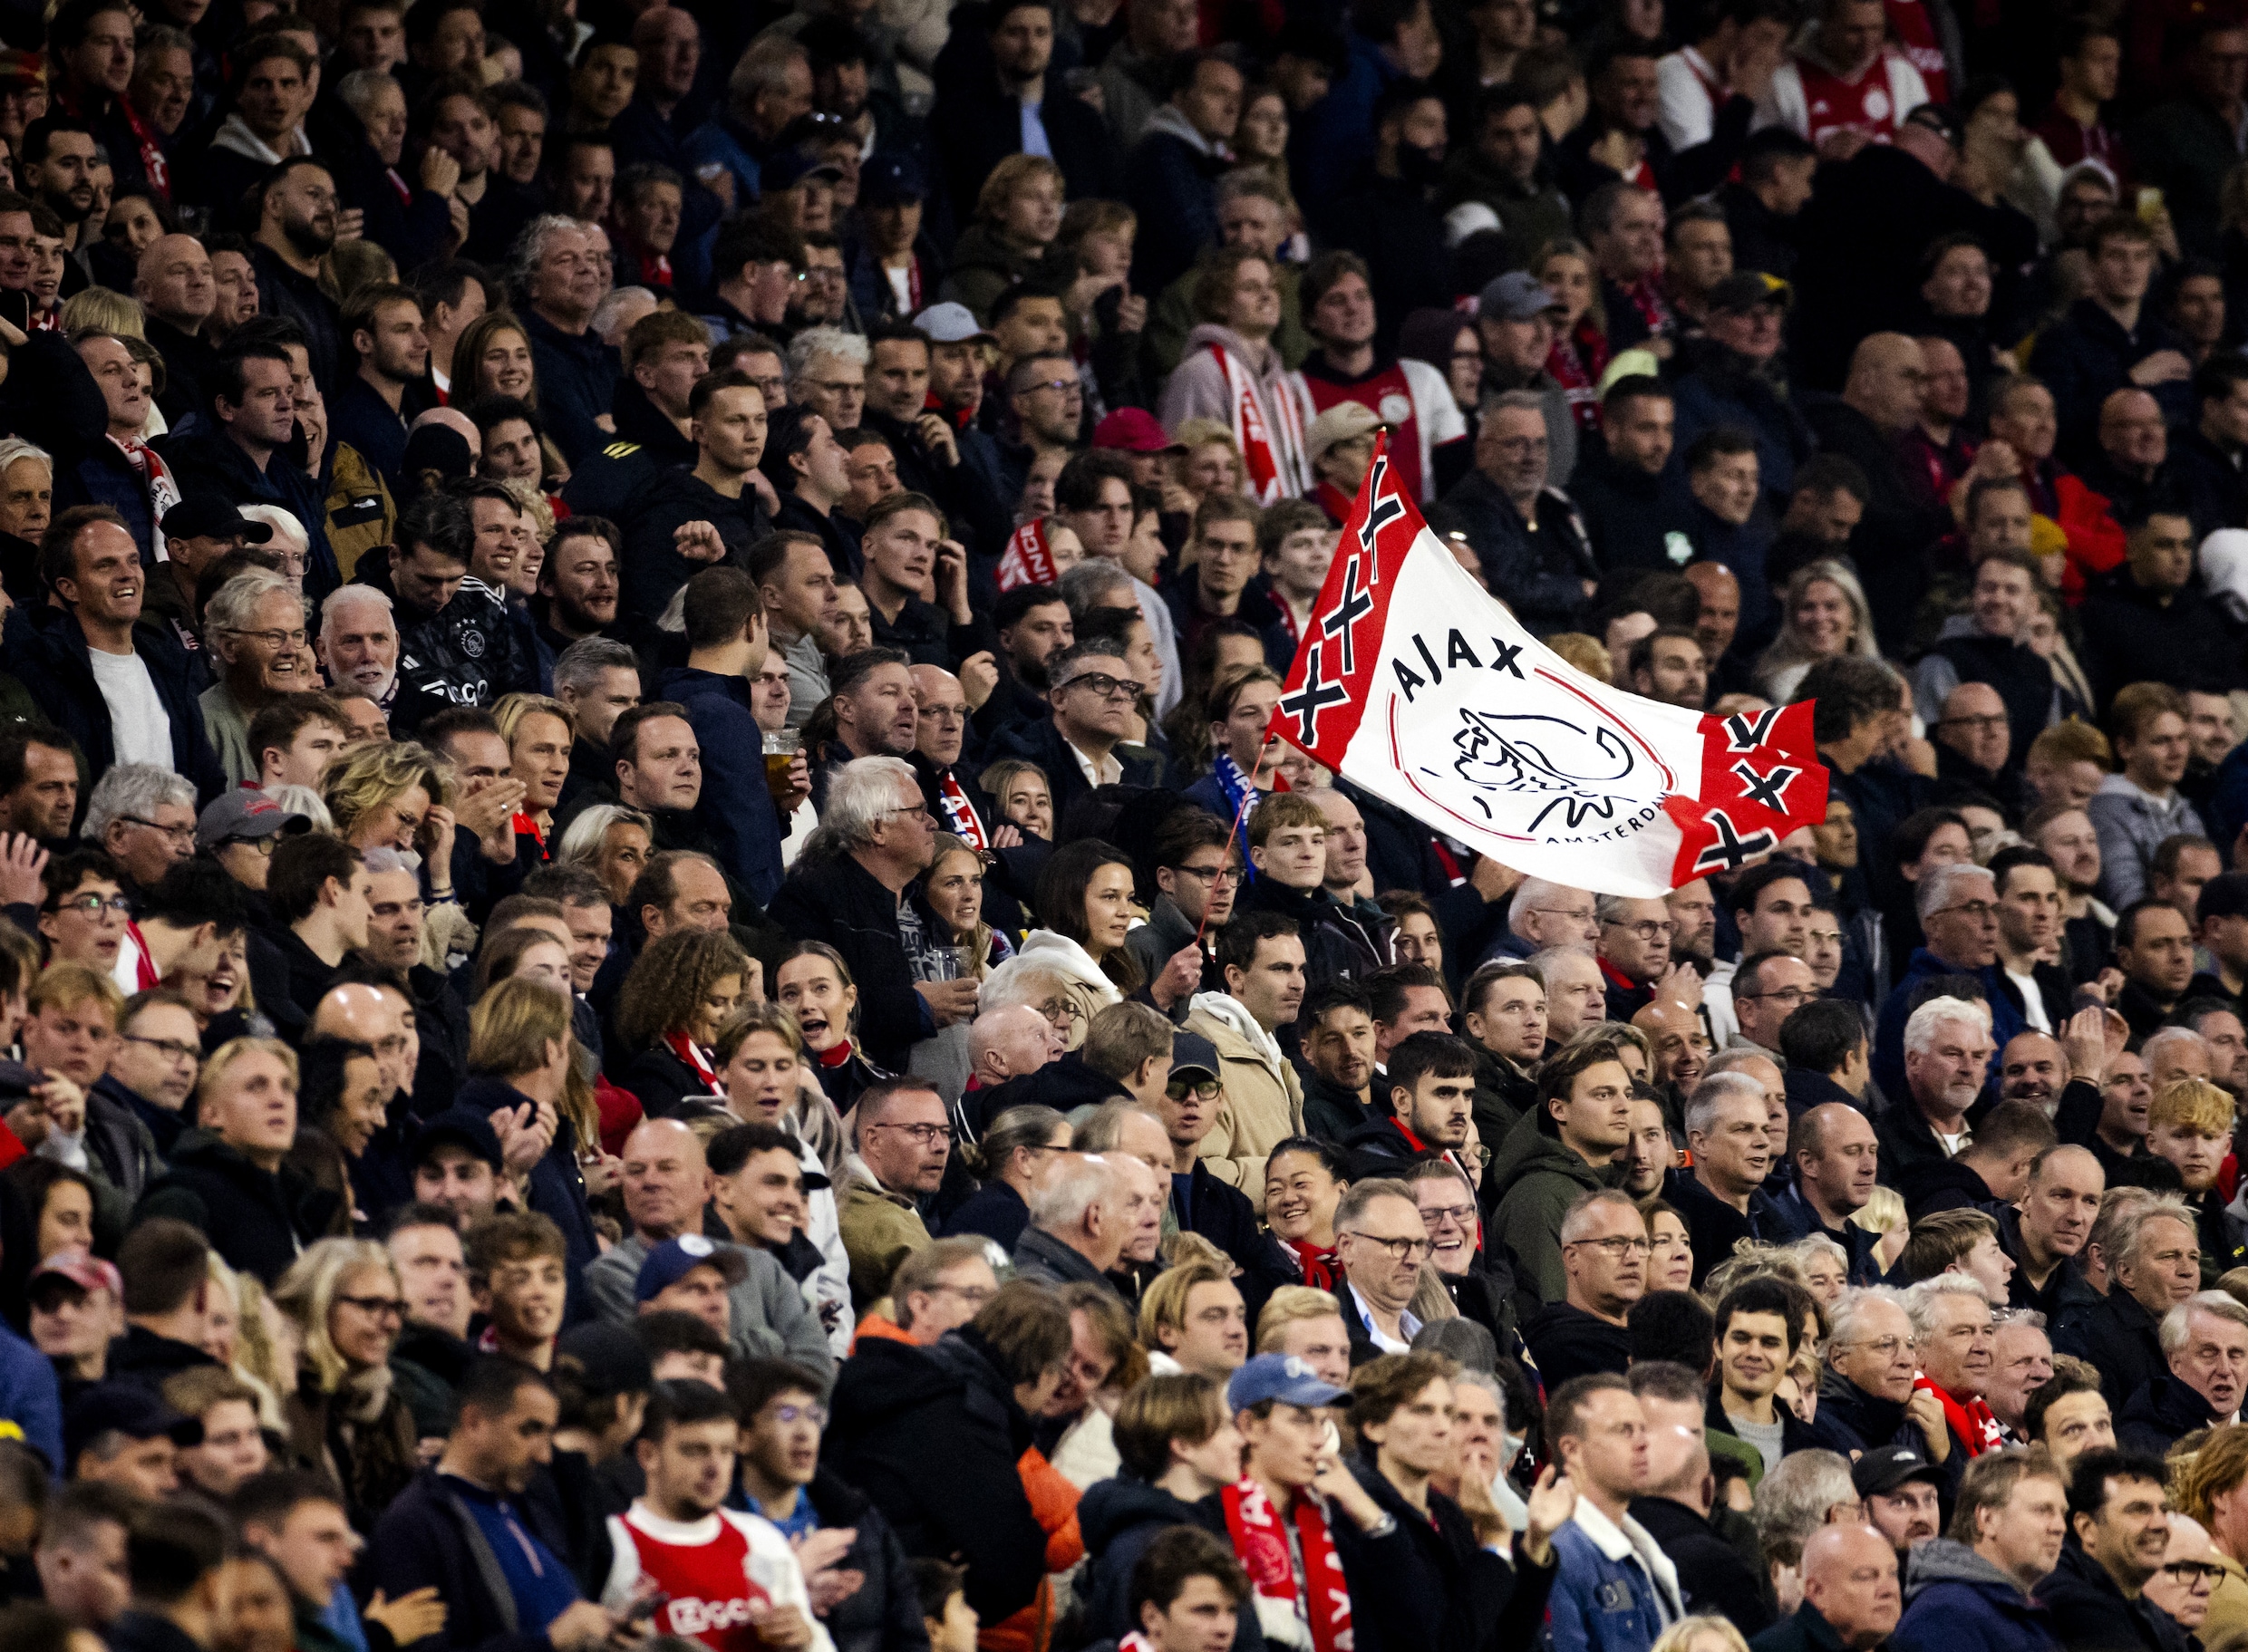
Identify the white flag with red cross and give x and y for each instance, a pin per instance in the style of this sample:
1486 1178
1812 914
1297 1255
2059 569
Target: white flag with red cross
1414 684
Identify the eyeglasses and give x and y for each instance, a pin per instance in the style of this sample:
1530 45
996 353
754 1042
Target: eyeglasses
1786 995
1066 387
924 1135
2195 1574
908 808
1107 687
170 1047
1889 1348
274 640
815 1414
263 846
1582 916
94 905
1651 930
170 834
1399 1249
1211 875
1618 1246
381 1308
839 387
1208 1091
1448 1215
1061 1011
1977 909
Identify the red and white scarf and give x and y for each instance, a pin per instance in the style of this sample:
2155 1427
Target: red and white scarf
689 1051
153 161
163 490
1271 438
1972 1421
960 814
1260 1542
1027 560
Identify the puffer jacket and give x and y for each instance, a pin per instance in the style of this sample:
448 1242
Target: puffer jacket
2132 825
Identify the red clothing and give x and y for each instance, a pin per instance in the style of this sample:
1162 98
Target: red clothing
2067 142
1915 32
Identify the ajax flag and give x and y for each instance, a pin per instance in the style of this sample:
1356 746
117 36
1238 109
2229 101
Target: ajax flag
1415 684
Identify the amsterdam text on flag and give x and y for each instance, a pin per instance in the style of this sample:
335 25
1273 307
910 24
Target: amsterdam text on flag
1413 683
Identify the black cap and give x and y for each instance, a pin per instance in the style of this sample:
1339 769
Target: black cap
1745 290
211 516
463 1126
1937 119
126 1408
891 180
614 1360
1890 1467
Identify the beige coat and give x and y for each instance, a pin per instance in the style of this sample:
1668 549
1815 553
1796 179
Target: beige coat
880 1230
1263 1105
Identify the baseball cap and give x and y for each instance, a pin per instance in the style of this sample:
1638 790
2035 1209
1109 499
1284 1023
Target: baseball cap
1890 1467
1193 1053
792 166
1516 296
674 1259
889 181
244 812
463 1125
1341 422
610 1357
2224 895
1280 1377
87 1272
211 516
1134 430
126 1408
1746 289
950 323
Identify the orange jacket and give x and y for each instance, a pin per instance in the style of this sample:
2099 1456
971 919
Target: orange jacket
1053 1501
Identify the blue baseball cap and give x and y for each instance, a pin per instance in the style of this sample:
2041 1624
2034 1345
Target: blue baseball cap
674 1259
1284 1377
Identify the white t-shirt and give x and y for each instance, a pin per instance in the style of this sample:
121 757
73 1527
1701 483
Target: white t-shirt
2032 1001
139 728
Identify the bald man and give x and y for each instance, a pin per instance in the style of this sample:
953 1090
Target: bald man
1834 1163
455 421
1681 1047
939 732
1719 589
665 1185
1850 1593
1880 402
382 1175
1008 1043
175 286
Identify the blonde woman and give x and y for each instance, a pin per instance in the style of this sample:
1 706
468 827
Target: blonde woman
1824 616
611 842
526 1074
393 795
1701 1634
342 1417
1014 237
540 733
1580 353
1211 461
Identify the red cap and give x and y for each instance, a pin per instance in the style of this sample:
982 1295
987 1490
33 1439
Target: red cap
86 1272
1133 430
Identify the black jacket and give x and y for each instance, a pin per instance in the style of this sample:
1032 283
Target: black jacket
428 1537
1225 1216
1340 943
1715 1227
1119 1518
1537 568
1851 1420
2160 1414
1624 512
978 125
1566 1341
2091 1615
884 1614
1041 743
50 651
467 654
996 1212
2131 635
1712 1574
651 568
257 1221
1331 1111
835 900
2122 1340
931 1436
1428 1586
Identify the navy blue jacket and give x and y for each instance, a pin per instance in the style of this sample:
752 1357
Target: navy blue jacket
428 1537
1798 1219
205 459
360 418
2086 356
558 1190
835 900
1172 186
1895 1011
577 377
1959 1602
735 809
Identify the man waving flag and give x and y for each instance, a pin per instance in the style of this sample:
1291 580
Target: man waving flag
1415 683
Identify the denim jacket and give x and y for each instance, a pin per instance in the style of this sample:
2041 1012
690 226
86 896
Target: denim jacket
1614 1591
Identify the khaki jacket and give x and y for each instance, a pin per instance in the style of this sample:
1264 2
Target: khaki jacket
1260 1109
880 1230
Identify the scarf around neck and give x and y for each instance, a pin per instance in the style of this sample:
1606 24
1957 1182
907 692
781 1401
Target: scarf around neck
1285 1604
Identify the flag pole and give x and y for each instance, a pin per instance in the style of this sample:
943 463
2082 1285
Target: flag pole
1241 813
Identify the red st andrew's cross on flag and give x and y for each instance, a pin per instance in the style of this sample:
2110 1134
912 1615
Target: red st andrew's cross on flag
1414 684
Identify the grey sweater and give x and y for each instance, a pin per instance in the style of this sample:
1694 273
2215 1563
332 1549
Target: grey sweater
766 1310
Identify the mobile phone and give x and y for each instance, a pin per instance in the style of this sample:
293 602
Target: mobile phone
646 1607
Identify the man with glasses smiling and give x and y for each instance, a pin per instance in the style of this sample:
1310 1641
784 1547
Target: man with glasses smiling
1198 873
1093 698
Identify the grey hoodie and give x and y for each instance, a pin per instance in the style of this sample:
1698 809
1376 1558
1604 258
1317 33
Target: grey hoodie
1941 1560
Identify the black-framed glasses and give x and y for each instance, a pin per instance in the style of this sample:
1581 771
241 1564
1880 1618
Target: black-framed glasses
1106 686
172 1047
1178 1089
924 1135
94 905
2195 1574
1648 930
1399 1249
1210 875
1618 1246
909 808
263 846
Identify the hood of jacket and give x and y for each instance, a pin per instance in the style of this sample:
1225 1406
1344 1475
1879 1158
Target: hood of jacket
1208 332
1941 1560
1114 1506
1168 120
1051 950
885 1377
1528 1149
989 1396
1238 1034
